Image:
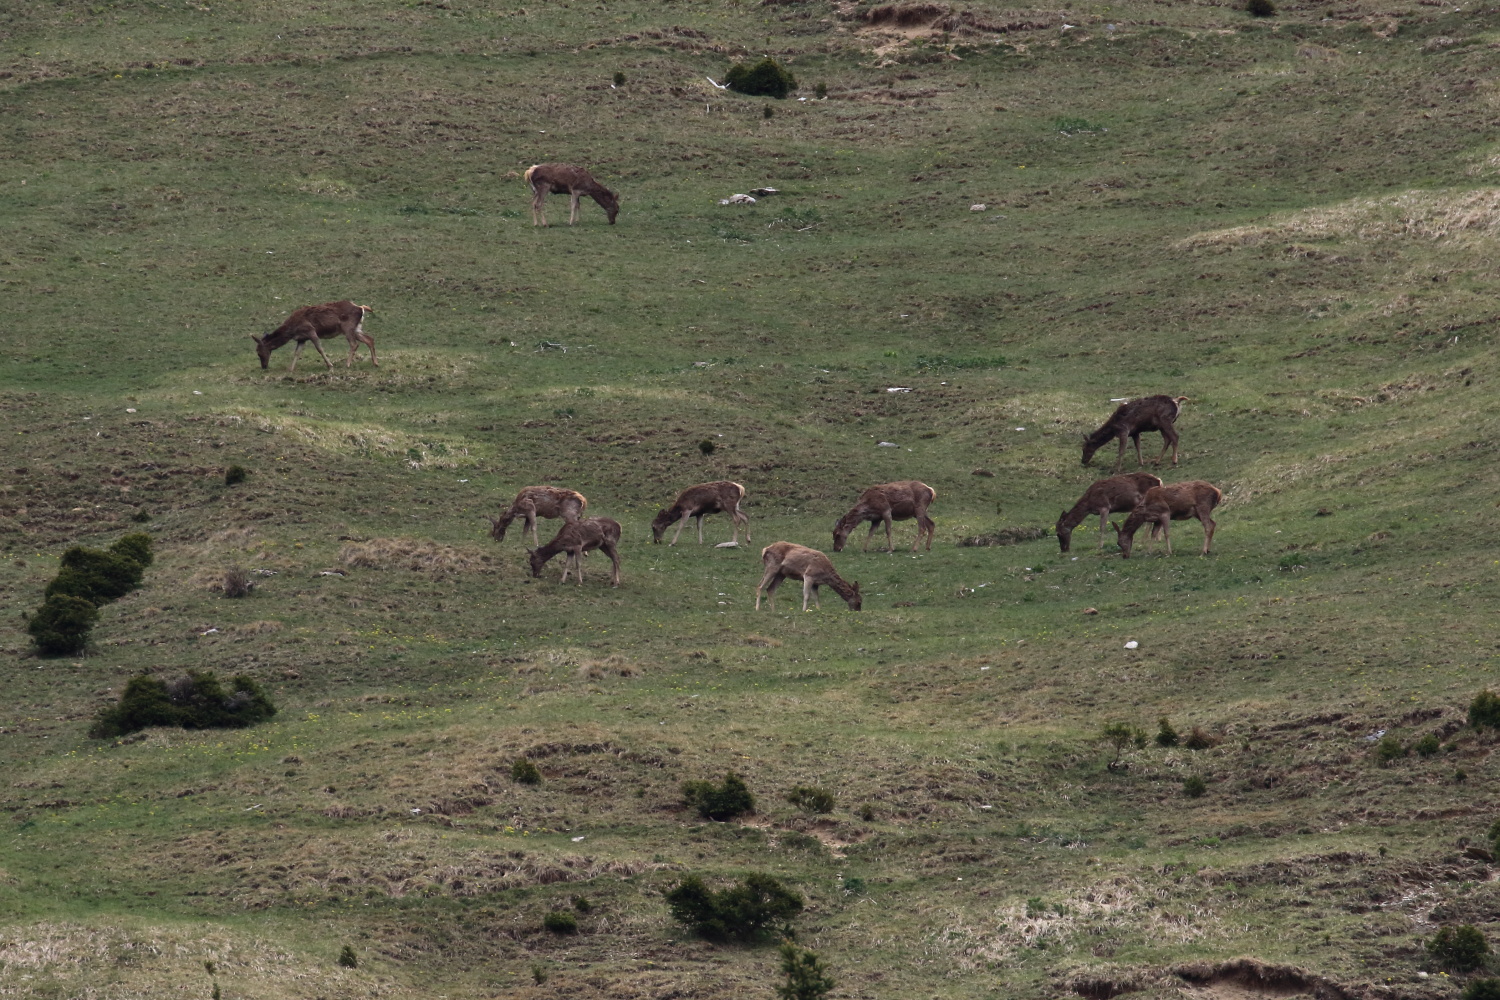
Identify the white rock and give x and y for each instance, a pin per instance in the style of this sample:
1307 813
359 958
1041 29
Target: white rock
727 545
887 444
1132 644
979 208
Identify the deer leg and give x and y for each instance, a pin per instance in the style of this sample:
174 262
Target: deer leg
1103 523
1208 531
1166 533
1168 437
319 345
538 205
742 516
809 589
1139 461
768 583
1120 458
700 529
890 541
573 208
680 525
866 547
295 351
613 552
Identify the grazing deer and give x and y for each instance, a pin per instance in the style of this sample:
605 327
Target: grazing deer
1164 504
1131 420
1114 495
698 502
813 568
886 503
564 178
577 537
539 501
311 323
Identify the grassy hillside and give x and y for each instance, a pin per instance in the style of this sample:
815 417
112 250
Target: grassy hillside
1290 220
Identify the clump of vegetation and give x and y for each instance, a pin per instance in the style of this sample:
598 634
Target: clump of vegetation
1481 989
619 79
1199 739
1484 710
811 798
237 582
524 771
1389 748
767 112
141 516
348 959
538 973
866 812
1428 745
1118 736
194 701
1260 8
707 447
61 626
560 922
743 912
821 90
1194 786
807 977
719 802
1166 736
1495 836
582 904
767 78
234 475
87 579
1461 948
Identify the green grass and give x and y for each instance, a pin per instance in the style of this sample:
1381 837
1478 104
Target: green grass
1206 205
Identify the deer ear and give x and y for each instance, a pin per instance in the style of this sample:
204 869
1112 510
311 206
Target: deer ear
1116 526
255 337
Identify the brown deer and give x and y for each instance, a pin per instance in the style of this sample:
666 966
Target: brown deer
311 323
886 503
1131 420
1164 504
539 501
577 537
813 568
1114 495
699 501
564 178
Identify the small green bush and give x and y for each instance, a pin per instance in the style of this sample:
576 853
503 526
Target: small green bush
1484 710
1166 736
100 577
525 772
234 475
707 446
807 977
141 516
1481 989
60 627
1193 786
348 959
1389 749
811 798
1461 948
619 79
560 922
1198 739
1428 745
582 904
1260 8
743 912
719 802
767 78
821 90
194 701
135 546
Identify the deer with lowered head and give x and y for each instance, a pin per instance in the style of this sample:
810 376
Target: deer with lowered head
1164 504
813 568
310 324
577 537
1114 495
539 501
698 502
1131 420
565 178
886 503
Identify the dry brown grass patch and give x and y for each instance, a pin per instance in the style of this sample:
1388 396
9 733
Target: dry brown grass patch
417 555
1425 215
613 665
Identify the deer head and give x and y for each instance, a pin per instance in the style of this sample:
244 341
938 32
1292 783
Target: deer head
1088 449
855 600
537 562
1064 533
263 350
611 203
660 524
841 534
1125 540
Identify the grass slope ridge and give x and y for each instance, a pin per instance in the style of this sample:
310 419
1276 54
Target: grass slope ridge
1288 220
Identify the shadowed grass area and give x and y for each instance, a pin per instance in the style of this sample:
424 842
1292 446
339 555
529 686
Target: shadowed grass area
1288 220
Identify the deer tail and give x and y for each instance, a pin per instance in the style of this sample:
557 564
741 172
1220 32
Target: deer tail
529 171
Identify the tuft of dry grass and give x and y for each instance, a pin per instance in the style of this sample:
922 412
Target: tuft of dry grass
613 665
417 555
1423 215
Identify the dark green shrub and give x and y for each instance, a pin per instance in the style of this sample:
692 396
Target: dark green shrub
767 111
707 447
141 516
1461 948
1388 749
1166 736
1428 745
1481 989
866 813
100 577
1118 736
821 90
1484 710
743 912
136 547
234 475
582 904
766 78
719 802
60 627
525 772
237 582
811 798
348 959
619 79
1260 8
195 701
1193 786
807 977
560 922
